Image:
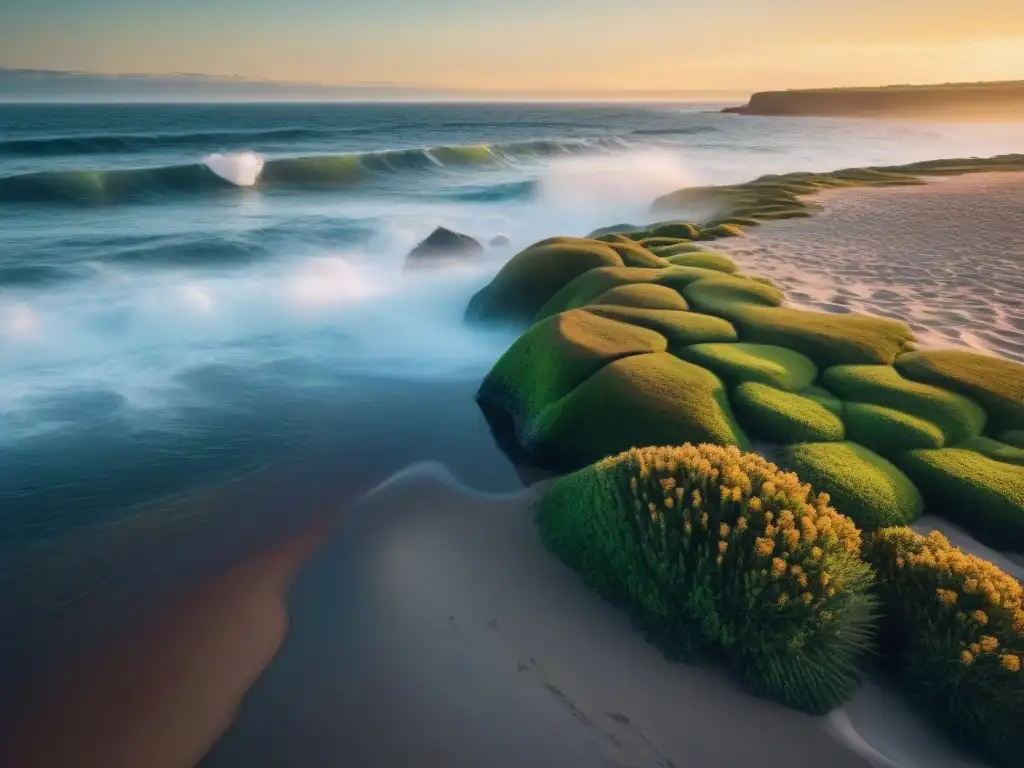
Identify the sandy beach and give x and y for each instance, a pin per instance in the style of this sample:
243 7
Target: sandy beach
945 257
433 628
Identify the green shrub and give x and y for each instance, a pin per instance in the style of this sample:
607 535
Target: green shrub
680 328
654 399
863 486
983 495
784 417
715 551
996 383
642 296
536 274
889 432
955 627
707 259
738 363
957 417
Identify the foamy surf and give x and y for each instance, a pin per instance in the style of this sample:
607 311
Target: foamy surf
242 169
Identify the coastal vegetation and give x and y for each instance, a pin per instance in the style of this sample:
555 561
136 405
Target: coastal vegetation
719 552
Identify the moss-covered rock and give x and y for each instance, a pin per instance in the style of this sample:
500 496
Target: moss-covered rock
642 296
536 274
715 552
995 383
739 363
863 485
706 259
823 397
888 431
958 417
683 246
994 449
781 417
728 296
955 631
654 399
652 243
680 328
720 230
635 255
589 286
983 495
682 230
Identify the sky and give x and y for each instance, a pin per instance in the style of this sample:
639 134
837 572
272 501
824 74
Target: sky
528 45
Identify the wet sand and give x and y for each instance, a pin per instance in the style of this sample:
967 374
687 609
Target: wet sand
945 257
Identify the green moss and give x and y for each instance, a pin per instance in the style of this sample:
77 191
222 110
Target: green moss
683 246
994 449
708 260
1014 437
654 399
862 485
642 296
729 295
635 255
720 230
888 431
555 356
680 328
826 339
614 229
651 243
678 229
784 417
652 530
957 417
995 383
613 237
536 274
823 397
589 286
739 363
981 494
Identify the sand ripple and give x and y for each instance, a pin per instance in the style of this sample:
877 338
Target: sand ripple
945 257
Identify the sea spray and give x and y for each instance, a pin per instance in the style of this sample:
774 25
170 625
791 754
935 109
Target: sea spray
242 169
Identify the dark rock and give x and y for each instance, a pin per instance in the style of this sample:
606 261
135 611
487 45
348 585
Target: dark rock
500 241
441 245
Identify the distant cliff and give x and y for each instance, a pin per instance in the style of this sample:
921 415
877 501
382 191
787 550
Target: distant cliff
976 101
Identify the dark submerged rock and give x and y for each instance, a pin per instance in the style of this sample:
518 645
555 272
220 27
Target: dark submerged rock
442 245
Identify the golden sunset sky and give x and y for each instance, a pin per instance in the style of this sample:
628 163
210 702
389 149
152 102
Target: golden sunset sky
533 45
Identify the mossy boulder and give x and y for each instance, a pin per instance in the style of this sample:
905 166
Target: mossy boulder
994 449
642 296
680 328
613 229
720 230
443 245
682 230
534 275
652 243
862 485
717 553
995 383
781 417
958 417
741 362
824 398
983 495
635 255
727 296
683 246
888 431
652 399
589 286
706 259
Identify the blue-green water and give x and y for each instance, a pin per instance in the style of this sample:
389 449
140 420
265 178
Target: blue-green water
192 293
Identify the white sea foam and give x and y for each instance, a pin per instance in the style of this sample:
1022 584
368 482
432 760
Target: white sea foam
242 169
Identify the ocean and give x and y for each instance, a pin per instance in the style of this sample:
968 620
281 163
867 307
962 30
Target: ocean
200 297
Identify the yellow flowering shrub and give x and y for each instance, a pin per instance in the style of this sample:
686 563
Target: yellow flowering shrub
715 550
955 626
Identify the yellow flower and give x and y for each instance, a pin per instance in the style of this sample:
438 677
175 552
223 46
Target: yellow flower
967 658
989 643
1010 662
792 539
947 596
651 507
723 530
667 483
825 578
899 562
754 504
632 484
981 617
718 561
826 615
697 501
783 598
970 586
722 546
816 553
741 524
688 527
778 567
975 648
669 502
806 597
801 579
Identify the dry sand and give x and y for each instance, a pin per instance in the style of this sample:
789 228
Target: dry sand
433 628
946 257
